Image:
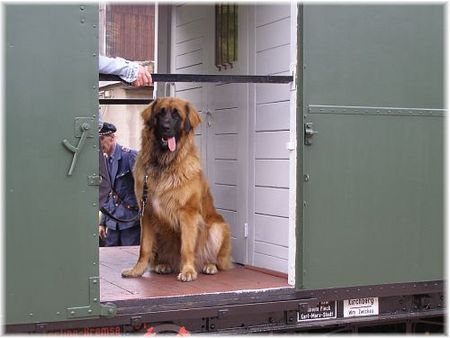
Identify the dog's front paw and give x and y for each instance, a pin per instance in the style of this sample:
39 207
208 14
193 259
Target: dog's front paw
210 269
187 275
131 273
163 268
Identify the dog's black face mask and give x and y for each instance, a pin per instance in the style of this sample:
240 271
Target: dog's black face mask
168 128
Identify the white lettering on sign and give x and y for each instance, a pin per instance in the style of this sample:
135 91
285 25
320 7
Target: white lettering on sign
359 307
319 311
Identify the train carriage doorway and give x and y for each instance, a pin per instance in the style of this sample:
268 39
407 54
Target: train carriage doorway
246 127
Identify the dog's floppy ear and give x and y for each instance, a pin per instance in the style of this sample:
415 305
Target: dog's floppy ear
148 115
192 119
187 124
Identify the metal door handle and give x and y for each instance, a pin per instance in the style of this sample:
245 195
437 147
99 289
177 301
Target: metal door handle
309 133
85 127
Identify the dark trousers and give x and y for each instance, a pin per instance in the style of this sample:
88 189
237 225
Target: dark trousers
130 236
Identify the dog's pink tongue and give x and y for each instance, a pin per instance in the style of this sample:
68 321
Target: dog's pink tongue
172 143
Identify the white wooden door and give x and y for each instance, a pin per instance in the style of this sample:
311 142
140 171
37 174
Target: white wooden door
270 211
222 137
227 139
245 127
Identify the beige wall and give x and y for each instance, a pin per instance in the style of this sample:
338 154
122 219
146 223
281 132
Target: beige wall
126 118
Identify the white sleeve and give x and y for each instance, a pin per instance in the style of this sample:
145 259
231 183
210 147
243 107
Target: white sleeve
127 70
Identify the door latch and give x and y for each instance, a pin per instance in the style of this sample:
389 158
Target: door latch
209 118
309 133
83 130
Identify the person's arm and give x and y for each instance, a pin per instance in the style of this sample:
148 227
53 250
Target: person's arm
128 71
132 159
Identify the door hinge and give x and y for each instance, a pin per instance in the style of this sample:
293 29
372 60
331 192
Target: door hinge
245 230
291 146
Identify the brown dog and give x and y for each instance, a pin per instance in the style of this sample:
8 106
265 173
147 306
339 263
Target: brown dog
180 230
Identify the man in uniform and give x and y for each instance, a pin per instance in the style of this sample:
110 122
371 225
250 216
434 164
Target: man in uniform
119 223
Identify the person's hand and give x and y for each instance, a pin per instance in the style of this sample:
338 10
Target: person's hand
102 231
144 78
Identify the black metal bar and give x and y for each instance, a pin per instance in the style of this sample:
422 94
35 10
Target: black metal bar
125 101
271 79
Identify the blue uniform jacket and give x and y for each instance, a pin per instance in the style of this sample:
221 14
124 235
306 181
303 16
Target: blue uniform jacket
120 201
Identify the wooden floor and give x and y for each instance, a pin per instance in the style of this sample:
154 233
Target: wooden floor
151 285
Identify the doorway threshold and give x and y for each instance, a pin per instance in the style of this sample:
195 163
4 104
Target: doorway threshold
240 279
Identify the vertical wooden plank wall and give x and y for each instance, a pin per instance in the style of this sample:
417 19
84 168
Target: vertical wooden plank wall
271 133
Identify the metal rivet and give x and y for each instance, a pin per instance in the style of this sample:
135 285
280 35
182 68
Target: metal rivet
306 178
94 204
89 311
83 20
82 8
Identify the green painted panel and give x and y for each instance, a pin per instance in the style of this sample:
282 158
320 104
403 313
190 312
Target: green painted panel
373 193
374 55
374 210
51 244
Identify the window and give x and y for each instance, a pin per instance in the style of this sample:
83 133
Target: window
127 31
226 35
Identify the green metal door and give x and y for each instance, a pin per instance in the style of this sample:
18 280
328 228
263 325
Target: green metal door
51 64
371 99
